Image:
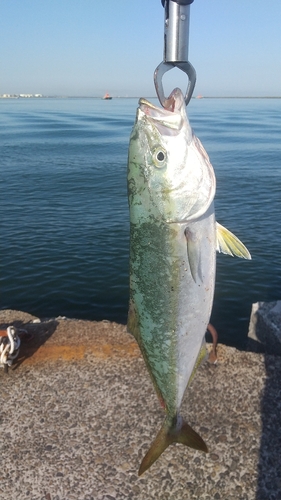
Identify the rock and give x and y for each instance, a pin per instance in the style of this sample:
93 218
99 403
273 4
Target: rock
264 333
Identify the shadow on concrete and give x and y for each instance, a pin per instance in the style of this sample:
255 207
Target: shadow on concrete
269 468
32 335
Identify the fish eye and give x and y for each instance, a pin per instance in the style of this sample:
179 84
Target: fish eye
159 157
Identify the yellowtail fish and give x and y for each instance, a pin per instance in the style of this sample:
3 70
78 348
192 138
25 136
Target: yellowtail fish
173 243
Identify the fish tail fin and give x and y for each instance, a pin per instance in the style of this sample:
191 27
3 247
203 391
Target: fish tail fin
173 430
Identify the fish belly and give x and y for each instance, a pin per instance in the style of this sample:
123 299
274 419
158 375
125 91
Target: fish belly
169 309
195 296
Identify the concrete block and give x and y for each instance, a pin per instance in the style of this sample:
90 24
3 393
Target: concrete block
264 333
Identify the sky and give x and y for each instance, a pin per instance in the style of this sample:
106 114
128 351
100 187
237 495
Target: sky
89 47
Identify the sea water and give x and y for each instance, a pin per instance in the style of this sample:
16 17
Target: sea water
64 241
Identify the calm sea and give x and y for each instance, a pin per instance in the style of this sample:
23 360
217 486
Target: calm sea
64 223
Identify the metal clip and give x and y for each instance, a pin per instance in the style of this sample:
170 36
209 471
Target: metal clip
186 67
176 37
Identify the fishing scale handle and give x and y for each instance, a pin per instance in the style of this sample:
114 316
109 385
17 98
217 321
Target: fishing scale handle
180 2
176 30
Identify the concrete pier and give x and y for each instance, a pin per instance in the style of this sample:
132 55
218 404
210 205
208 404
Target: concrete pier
78 412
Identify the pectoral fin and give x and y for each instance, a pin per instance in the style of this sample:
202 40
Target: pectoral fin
194 255
229 244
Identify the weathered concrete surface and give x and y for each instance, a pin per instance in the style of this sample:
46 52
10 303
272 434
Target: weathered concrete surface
264 333
78 412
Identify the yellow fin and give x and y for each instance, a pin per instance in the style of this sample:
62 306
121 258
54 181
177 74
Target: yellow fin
202 356
228 243
173 430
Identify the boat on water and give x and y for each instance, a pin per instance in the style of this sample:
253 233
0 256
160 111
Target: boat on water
107 97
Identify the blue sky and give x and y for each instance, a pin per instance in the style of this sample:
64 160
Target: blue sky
87 47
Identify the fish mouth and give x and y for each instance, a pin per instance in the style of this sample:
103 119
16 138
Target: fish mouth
171 118
174 103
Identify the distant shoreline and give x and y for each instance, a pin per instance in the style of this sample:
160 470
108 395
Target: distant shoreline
15 96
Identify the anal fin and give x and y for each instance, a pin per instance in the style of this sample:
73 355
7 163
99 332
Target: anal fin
202 356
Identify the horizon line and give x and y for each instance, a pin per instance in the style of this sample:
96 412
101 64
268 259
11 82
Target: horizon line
56 96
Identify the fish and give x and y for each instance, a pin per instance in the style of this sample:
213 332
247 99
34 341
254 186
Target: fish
173 242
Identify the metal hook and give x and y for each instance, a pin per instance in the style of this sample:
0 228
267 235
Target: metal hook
162 68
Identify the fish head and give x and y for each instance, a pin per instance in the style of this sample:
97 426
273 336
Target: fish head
170 175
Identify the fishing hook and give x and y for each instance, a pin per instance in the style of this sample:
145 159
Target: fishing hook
176 37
